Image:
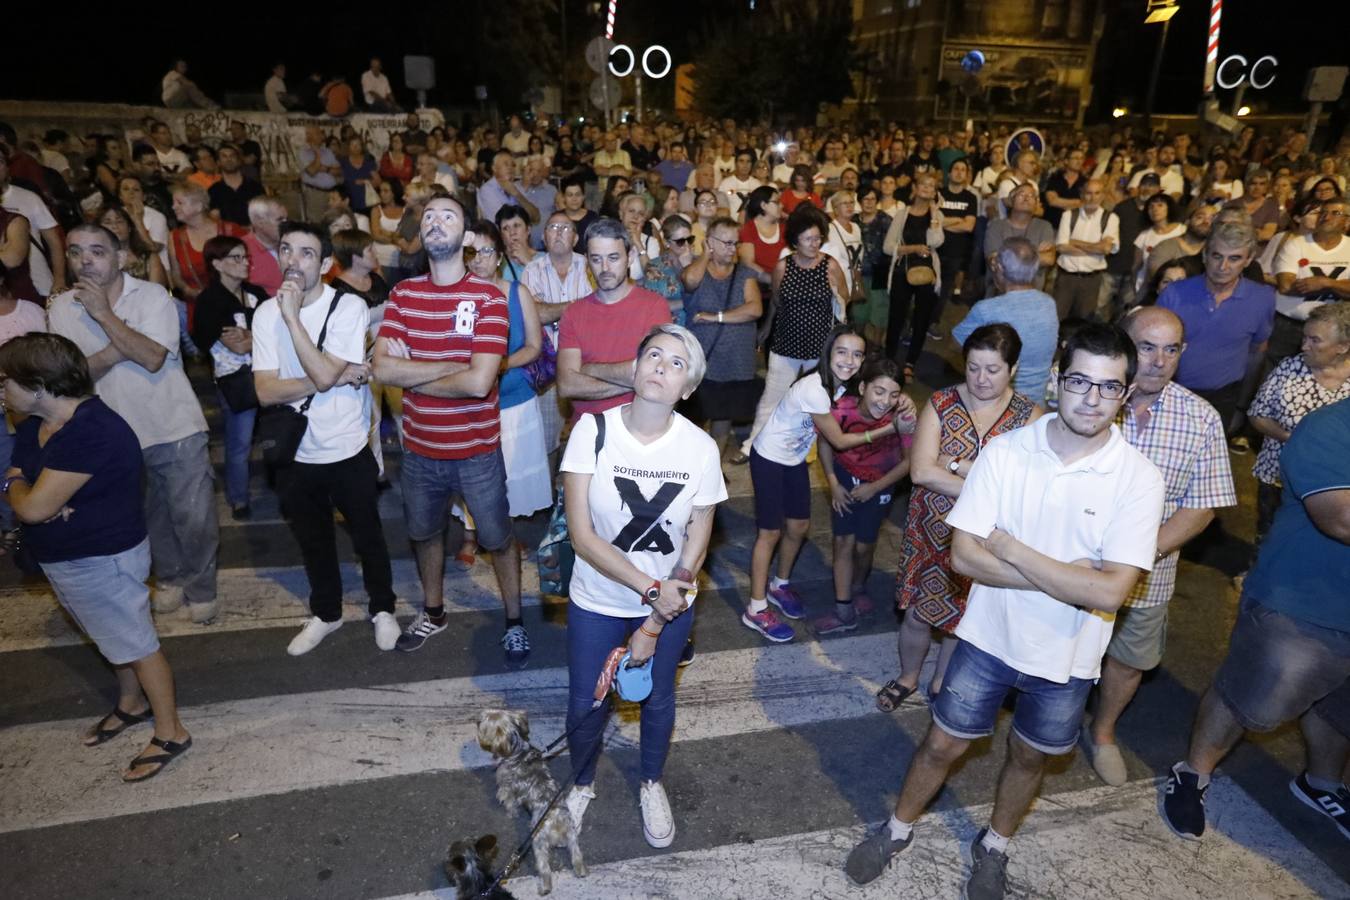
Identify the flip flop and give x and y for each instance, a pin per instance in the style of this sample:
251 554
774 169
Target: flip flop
892 694
465 558
126 720
171 752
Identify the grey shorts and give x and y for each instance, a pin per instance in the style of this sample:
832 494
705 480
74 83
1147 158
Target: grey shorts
1278 668
1139 637
108 598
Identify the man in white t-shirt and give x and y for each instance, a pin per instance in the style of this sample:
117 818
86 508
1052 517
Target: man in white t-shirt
1087 235
309 353
172 161
274 91
1310 271
1168 172
1054 525
738 185
782 173
47 259
128 329
177 91
517 139
375 89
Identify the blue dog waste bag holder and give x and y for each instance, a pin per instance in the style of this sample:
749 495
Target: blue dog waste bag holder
635 684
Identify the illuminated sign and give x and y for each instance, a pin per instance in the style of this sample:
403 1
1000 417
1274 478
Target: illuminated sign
1251 75
632 61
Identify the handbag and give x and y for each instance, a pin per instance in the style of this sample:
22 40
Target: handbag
238 390
557 557
282 428
541 371
920 274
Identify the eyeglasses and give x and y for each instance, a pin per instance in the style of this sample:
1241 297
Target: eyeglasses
471 253
722 241
560 227
681 241
237 257
1107 390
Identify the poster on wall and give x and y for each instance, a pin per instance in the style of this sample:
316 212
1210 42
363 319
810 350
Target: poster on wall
1043 83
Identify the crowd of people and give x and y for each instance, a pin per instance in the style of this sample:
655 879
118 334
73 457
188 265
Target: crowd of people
591 309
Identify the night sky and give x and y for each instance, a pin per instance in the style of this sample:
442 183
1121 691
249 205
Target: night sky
235 53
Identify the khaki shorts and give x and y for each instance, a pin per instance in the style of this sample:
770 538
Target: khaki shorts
1139 637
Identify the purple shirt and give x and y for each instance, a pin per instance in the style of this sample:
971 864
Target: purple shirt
1218 340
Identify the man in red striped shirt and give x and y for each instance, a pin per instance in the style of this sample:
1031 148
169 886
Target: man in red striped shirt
443 339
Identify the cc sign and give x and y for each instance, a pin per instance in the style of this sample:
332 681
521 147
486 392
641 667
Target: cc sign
1253 74
624 49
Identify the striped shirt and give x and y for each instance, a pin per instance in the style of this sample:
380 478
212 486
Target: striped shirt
1184 438
547 286
448 322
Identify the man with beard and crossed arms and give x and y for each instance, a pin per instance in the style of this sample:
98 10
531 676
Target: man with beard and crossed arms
1055 524
443 339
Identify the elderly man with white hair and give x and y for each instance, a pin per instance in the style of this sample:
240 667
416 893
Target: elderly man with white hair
265 215
1087 235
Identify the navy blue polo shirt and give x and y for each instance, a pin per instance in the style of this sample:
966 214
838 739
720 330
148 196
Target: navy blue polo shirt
1218 339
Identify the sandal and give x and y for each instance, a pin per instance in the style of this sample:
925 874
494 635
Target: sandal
892 694
102 735
171 752
467 557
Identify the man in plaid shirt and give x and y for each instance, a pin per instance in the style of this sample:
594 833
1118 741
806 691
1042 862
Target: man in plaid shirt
1183 436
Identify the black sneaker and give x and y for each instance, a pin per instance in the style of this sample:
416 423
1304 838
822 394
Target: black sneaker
687 655
417 632
1183 804
1335 805
988 872
871 857
516 643
241 513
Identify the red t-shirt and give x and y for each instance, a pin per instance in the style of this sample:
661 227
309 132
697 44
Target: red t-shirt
609 332
791 201
448 322
867 462
766 254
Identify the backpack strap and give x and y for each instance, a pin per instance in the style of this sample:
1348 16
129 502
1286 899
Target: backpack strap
599 433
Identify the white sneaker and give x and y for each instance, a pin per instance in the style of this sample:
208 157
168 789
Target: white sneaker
312 635
577 800
166 598
386 630
658 825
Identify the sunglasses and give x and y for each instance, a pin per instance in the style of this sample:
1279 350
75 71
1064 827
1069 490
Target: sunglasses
681 241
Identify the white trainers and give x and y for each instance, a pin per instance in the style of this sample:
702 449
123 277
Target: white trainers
658 825
166 598
577 800
312 635
386 630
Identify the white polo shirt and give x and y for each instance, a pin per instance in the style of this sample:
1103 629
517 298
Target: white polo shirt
1107 506
1098 225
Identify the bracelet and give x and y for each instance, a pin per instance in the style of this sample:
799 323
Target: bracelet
643 628
719 317
867 436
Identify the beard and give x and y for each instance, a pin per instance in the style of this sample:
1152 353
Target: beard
442 249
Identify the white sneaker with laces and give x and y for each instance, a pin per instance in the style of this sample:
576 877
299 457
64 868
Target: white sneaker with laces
658 825
166 598
312 635
386 630
577 800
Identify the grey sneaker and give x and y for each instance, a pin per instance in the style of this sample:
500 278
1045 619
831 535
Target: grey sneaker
1105 759
988 872
871 857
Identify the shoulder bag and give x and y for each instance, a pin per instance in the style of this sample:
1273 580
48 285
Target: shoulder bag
557 556
281 428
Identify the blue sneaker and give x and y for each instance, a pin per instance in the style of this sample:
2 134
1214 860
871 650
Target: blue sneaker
787 601
516 643
768 624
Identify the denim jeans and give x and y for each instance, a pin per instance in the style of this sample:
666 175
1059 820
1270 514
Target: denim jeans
238 447
180 514
590 637
428 484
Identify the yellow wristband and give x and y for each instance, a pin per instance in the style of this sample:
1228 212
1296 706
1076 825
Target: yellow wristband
867 436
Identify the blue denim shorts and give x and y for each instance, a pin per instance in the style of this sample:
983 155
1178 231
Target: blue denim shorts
108 598
428 484
863 520
1047 716
1278 668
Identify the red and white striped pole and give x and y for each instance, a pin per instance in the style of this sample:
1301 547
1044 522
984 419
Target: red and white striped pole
1212 48
609 19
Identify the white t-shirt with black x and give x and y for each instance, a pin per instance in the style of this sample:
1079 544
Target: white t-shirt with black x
641 497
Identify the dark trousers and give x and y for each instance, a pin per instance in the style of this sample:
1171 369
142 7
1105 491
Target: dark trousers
309 494
924 300
1077 294
1224 399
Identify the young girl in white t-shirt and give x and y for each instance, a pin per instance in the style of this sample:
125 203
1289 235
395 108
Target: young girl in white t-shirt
782 482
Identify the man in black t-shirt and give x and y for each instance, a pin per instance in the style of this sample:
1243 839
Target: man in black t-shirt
1064 187
960 206
250 151
924 159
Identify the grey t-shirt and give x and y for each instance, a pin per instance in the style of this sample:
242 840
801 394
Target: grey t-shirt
1038 231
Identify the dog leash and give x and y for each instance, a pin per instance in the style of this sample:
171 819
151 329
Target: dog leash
602 688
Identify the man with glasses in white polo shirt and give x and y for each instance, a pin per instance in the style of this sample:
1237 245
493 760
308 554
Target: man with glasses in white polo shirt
1054 525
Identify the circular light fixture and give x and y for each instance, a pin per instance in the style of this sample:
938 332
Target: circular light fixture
1118 112
1244 111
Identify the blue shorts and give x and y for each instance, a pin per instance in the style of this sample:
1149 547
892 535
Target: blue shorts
428 484
863 520
108 598
781 492
1047 716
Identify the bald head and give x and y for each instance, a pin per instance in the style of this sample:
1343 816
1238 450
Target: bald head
1148 319
1159 340
1093 191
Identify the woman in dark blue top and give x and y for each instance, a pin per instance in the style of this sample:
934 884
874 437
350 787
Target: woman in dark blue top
75 483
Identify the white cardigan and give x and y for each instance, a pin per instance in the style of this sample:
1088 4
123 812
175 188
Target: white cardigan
933 239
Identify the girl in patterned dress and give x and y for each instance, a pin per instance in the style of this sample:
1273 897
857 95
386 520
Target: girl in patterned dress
954 425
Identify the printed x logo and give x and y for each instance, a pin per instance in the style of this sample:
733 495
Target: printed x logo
644 529
1334 274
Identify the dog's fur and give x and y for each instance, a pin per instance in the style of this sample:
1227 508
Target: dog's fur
468 865
524 781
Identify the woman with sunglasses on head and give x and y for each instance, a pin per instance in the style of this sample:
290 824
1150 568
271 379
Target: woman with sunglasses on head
662 275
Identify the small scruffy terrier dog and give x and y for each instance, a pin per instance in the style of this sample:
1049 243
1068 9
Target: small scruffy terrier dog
468 865
523 780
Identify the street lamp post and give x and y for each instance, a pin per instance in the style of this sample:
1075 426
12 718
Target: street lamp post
1158 11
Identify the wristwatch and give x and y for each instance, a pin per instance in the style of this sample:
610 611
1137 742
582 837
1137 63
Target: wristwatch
954 466
652 594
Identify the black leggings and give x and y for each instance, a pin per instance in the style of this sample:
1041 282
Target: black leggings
924 300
